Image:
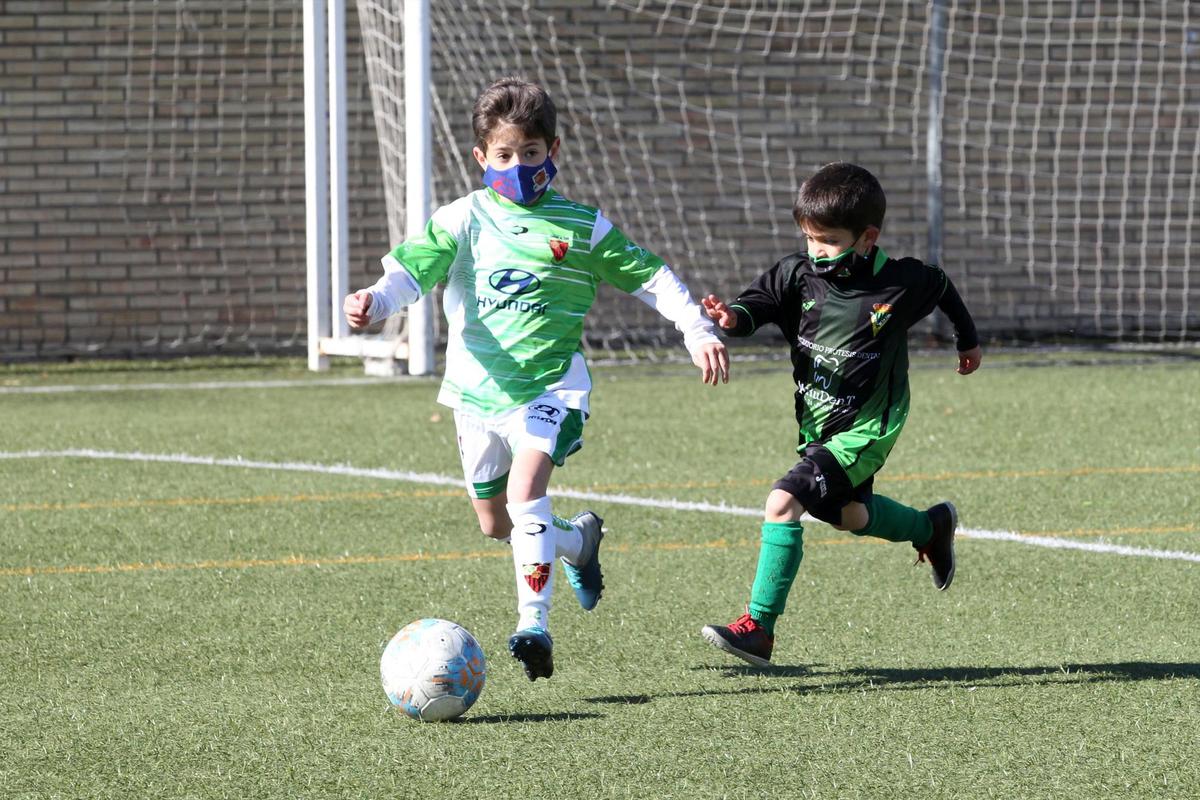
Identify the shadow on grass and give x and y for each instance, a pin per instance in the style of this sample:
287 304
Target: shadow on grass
561 716
823 681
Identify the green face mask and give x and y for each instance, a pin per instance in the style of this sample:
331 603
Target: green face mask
824 266
846 258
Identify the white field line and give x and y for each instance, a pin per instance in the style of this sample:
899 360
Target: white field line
618 499
79 388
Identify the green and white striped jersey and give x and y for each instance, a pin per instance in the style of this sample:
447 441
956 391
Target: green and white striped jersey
519 281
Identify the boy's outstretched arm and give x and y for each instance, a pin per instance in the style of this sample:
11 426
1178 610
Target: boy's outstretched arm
713 360
395 290
970 354
667 295
355 307
718 312
969 360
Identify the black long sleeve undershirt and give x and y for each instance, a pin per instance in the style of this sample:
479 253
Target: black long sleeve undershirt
955 309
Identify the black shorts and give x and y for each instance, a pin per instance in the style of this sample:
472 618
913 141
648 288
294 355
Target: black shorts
819 483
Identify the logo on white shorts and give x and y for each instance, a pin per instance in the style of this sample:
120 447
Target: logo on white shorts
542 412
534 529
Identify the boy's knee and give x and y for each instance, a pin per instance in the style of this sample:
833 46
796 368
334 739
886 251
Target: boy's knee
494 530
782 507
855 517
493 521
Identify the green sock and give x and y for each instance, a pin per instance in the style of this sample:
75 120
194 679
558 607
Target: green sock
779 557
896 522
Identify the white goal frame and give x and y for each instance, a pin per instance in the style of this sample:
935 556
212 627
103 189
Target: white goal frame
326 187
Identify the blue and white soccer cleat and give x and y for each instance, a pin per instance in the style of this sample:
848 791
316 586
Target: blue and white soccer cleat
534 648
585 577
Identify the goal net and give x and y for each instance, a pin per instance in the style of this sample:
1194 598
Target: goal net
1068 133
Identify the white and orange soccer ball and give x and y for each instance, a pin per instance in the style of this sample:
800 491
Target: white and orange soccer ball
433 670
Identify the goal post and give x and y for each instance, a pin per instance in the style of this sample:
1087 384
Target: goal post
418 144
316 183
1044 155
327 195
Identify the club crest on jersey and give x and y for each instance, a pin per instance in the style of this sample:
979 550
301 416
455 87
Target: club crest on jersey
536 575
880 314
809 303
559 248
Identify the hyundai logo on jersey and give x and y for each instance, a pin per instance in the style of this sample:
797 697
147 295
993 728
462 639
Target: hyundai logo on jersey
514 281
520 183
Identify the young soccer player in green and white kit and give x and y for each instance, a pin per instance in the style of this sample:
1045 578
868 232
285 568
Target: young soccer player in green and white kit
846 307
521 264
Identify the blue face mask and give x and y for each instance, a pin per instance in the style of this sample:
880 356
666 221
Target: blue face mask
520 183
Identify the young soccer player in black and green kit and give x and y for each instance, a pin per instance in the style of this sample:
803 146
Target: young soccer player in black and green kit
846 307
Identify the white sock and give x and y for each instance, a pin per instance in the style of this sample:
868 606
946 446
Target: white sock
533 548
568 544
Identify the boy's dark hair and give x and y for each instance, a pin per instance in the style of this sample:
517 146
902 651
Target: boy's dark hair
514 101
841 195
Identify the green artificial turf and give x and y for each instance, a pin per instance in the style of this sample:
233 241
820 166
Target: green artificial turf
173 629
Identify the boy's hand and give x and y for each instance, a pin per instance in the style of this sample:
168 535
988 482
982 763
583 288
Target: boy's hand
713 361
968 360
355 308
718 312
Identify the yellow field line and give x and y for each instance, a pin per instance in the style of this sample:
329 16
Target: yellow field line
1043 473
181 502
497 552
236 563
311 561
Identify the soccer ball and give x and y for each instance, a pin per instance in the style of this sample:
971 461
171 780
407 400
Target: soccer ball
433 670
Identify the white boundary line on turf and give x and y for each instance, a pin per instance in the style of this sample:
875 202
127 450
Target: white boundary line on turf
76 388
619 499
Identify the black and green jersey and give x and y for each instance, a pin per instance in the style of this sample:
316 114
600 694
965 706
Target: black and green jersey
849 346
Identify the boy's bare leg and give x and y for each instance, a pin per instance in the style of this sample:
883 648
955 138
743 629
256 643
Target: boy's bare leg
854 517
492 513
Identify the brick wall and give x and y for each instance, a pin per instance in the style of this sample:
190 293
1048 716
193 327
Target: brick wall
152 178
151 156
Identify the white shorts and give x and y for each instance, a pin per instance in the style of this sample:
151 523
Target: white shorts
486 446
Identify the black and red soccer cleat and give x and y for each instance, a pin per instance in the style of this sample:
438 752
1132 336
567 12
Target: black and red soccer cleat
744 638
939 550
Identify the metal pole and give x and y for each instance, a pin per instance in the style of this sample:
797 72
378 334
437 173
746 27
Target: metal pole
338 169
316 182
418 157
933 142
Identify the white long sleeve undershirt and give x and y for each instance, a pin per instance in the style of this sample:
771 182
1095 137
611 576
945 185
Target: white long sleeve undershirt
667 295
664 292
392 292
